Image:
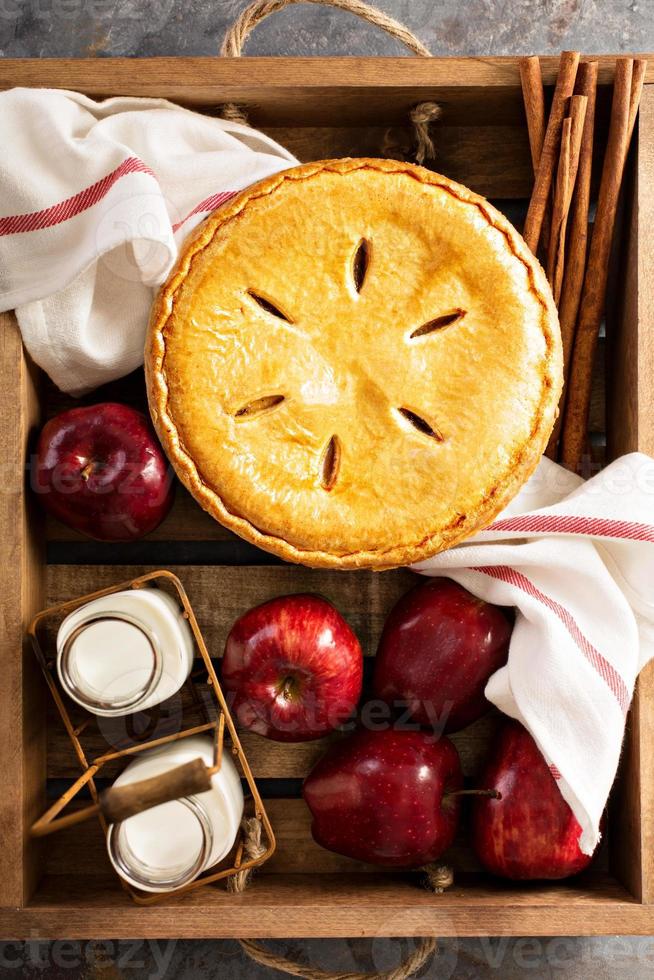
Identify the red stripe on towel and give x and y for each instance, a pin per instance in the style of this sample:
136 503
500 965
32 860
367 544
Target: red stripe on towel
560 524
54 215
606 671
209 204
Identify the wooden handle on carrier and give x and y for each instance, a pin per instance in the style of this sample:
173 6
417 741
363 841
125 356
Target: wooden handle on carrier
121 802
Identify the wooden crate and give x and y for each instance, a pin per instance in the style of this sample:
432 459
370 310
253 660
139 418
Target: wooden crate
63 886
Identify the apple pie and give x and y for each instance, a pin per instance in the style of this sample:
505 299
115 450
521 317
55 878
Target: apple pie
355 363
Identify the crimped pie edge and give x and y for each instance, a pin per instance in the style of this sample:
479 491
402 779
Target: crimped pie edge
523 463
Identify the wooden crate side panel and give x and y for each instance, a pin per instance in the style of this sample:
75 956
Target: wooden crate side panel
334 107
293 91
288 906
630 428
330 91
22 576
645 313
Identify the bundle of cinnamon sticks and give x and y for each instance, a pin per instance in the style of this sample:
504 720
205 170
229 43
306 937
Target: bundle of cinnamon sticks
557 223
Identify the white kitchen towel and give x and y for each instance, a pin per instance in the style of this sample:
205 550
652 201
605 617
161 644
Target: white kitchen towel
576 559
95 200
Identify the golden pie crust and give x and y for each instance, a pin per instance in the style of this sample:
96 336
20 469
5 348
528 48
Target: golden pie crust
355 363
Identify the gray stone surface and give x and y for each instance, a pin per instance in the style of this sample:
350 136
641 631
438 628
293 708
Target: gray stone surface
471 959
71 28
77 28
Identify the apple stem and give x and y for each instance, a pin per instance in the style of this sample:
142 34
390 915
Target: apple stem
86 472
494 794
288 688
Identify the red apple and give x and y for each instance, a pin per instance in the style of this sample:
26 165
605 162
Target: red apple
530 832
294 668
101 471
382 797
439 646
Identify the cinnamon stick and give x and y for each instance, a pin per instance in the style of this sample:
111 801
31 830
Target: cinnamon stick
637 82
561 195
626 97
537 206
533 96
575 264
573 128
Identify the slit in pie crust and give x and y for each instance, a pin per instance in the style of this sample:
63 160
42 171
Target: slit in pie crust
355 363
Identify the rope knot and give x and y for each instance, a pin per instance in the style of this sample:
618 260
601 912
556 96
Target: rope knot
438 877
252 849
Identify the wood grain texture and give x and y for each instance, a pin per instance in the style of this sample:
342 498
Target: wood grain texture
267 759
185 522
296 91
632 801
631 428
333 905
631 389
22 577
276 87
337 106
83 848
492 160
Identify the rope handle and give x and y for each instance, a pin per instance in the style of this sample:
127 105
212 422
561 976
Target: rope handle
238 33
437 879
414 961
421 115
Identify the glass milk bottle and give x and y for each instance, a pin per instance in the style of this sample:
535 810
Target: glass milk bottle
124 652
169 845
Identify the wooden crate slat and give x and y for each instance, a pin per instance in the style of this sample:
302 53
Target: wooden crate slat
334 905
328 91
22 577
185 522
631 354
267 759
297 853
83 848
492 160
220 594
